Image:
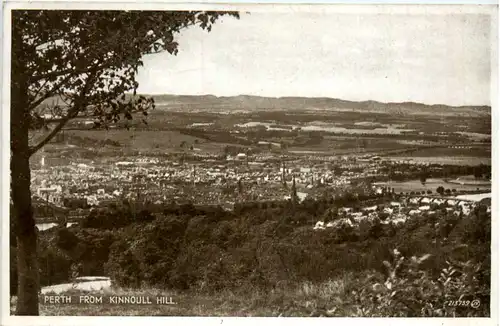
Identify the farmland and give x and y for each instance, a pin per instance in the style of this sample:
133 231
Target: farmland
181 127
432 184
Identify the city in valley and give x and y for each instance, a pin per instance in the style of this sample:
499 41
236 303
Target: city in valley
233 151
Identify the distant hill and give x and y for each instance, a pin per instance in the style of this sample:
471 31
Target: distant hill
255 103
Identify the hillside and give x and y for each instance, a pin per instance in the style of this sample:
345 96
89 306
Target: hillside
257 103
268 260
250 103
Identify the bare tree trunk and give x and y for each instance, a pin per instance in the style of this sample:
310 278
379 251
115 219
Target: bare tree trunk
26 236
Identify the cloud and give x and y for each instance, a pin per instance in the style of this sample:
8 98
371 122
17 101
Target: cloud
404 57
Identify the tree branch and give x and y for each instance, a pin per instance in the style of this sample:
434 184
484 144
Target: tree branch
72 113
54 132
85 70
71 71
40 88
56 73
49 93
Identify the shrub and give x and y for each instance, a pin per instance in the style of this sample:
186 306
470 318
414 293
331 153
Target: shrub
55 266
66 239
409 291
213 251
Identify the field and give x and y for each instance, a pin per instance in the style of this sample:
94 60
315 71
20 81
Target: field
145 140
480 151
327 132
433 184
446 160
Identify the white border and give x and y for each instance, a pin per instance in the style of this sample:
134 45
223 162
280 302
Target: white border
355 6
495 165
260 3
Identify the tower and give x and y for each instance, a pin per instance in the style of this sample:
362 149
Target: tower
293 192
240 187
194 175
283 176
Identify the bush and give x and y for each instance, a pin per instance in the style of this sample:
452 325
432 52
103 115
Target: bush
55 266
66 239
409 291
207 250
146 253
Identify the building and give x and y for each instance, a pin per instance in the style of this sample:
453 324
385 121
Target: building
241 156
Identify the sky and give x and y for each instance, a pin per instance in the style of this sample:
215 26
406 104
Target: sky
427 58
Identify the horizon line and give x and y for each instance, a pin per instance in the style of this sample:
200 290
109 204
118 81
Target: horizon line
316 97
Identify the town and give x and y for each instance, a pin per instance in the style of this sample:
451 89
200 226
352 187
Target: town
214 180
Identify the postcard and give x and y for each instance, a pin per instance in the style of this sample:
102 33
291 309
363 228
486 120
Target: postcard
214 161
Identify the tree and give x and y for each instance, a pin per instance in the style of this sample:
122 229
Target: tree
423 177
240 187
477 171
440 190
226 150
67 64
293 193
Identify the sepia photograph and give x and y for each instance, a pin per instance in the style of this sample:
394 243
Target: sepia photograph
250 160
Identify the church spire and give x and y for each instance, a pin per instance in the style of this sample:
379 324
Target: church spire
293 192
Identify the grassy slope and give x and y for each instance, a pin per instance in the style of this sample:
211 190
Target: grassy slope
302 301
328 299
333 298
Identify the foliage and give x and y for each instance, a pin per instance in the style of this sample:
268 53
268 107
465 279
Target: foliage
89 60
212 251
409 291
